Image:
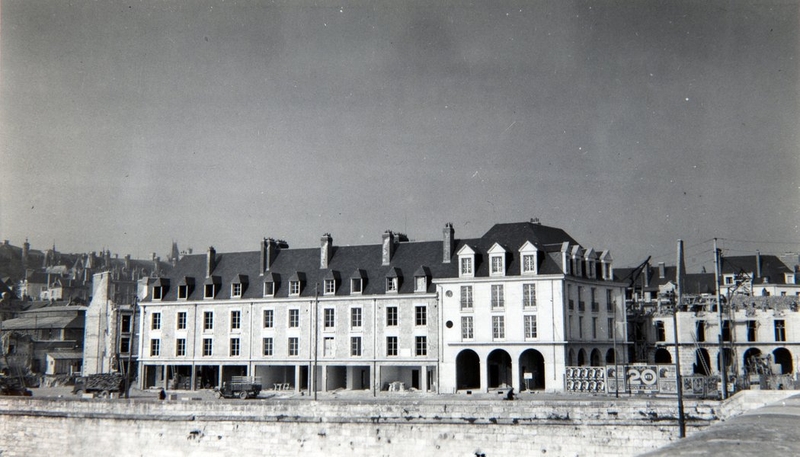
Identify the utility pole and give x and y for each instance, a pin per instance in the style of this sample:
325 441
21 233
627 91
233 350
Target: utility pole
316 336
678 301
722 368
130 347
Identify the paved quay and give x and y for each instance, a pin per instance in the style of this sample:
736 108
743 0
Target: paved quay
770 430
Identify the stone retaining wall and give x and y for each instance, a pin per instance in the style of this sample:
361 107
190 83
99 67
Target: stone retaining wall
435 426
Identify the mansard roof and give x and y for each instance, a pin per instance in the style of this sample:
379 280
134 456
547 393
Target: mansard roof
772 267
366 261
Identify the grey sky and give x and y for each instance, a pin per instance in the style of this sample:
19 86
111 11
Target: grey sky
630 124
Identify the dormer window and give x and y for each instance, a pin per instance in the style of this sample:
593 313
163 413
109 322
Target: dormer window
356 285
296 283
160 287
393 280
466 262
528 255
391 285
421 279
269 289
239 285
497 259
183 292
330 286
158 292
210 291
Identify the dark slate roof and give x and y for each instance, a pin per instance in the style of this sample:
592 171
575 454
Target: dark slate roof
346 261
771 267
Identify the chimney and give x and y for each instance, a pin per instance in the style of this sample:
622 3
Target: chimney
128 262
448 242
758 264
26 248
325 249
269 249
662 270
387 247
211 258
157 266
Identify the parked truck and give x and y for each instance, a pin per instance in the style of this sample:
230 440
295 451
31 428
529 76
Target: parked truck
240 387
101 384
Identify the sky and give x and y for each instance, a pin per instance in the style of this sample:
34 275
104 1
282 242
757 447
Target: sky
629 124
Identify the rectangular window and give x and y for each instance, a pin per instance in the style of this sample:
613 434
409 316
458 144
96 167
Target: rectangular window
610 328
498 327
595 305
294 318
127 324
180 347
609 301
466 327
183 292
528 263
751 330
155 347
269 318
569 327
391 316
421 344
294 287
355 317
726 330
294 346
125 345
421 315
355 286
421 284
580 327
181 320
268 347
391 284
269 289
235 347
236 290
158 292
700 329
236 320
498 300
497 265
529 295
466 266
156 321
209 291
330 286
530 326
780 330
329 318
355 346
208 320
391 345
466 297
208 347
594 328
327 347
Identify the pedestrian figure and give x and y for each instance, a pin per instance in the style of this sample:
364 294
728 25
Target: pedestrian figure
510 394
162 395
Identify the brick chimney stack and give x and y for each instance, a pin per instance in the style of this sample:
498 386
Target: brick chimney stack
449 242
662 270
325 250
211 259
387 247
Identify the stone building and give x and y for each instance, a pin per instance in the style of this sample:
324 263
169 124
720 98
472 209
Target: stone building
381 317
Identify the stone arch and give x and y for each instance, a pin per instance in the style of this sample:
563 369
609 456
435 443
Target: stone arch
729 356
571 357
596 359
611 357
750 360
498 366
468 370
582 358
783 357
532 361
663 356
702 362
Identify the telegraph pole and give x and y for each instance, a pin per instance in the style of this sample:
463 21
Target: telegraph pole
722 368
678 301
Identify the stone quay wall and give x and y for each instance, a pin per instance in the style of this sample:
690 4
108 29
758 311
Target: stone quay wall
287 427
